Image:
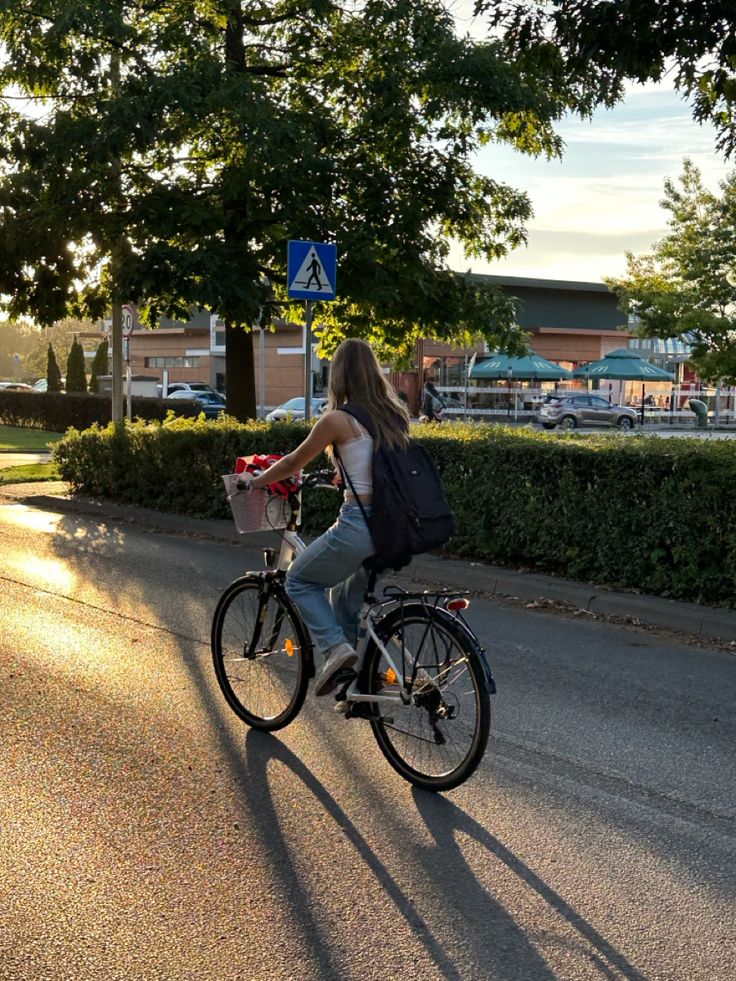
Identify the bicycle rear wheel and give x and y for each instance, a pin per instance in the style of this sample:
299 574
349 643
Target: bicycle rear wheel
260 653
436 741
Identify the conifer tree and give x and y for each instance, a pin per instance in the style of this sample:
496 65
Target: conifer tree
76 377
53 374
99 365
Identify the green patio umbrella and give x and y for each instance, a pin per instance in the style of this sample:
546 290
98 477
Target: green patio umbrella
623 364
530 366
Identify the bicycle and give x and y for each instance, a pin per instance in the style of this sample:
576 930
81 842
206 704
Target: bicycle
422 680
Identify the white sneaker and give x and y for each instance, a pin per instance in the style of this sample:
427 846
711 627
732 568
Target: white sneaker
341 657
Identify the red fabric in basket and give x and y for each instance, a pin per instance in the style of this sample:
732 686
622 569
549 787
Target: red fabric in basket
256 464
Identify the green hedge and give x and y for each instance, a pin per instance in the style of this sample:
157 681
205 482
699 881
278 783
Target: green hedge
57 411
653 514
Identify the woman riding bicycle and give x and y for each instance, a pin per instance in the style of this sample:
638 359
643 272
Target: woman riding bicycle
334 560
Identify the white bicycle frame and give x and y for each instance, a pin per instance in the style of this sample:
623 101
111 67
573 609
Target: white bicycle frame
291 546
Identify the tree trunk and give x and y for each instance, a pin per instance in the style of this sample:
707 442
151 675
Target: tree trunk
240 378
240 373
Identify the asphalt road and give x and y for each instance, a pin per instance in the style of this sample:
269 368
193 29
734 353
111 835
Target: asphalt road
146 834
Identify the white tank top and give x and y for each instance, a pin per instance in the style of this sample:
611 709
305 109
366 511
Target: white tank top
356 456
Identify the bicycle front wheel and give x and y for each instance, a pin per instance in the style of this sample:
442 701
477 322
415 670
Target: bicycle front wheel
437 740
259 650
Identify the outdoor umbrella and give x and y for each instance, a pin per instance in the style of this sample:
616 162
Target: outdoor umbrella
623 364
530 366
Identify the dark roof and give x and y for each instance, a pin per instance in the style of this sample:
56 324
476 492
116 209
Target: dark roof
547 284
561 304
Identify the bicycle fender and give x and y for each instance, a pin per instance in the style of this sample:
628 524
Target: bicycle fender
454 622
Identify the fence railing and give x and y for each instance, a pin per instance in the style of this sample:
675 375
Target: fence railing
521 404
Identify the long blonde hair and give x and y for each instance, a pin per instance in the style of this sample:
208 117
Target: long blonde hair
356 376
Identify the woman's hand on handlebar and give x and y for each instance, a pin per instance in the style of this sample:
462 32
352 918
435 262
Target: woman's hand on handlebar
329 479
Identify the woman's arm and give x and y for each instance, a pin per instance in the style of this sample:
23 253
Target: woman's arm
325 431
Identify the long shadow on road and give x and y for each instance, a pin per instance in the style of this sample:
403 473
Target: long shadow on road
447 823
261 749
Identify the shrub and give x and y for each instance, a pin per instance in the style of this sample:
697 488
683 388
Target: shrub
644 513
56 411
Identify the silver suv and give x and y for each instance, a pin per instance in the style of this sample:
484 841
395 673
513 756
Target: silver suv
571 410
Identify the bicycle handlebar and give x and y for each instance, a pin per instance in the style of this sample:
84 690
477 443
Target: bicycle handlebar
318 478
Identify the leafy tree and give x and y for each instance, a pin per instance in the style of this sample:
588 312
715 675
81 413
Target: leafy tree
182 146
600 45
16 338
686 287
53 375
76 376
99 365
61 335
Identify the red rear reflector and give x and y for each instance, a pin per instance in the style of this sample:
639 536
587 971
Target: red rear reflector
457 604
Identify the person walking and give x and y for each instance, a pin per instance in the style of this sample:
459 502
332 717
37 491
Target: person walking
334 560
432 403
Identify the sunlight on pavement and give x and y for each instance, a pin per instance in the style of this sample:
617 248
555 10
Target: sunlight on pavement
30 518
52 574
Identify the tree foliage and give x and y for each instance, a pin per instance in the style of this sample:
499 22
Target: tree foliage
99 365
686 287
76 375
53 374
182 145
16 338
600 45
61 335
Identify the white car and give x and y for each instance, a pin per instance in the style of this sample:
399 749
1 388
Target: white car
16 386
294 409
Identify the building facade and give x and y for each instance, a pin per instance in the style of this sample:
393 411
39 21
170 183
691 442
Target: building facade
570 323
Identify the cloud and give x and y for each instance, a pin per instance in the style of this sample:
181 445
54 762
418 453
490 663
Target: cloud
603 198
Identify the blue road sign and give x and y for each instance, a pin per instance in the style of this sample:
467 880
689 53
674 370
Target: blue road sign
311 270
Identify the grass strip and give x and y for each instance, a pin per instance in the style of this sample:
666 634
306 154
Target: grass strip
18 438
29 473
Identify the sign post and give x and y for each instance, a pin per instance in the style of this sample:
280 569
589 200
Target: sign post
128 322
311 275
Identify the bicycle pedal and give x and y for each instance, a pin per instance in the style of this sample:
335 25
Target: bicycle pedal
345 676
342 708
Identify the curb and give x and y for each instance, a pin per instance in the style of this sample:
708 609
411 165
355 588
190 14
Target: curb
703 622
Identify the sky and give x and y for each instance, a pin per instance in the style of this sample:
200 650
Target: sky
602 198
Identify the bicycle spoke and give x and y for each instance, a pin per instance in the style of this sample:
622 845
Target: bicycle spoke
440 729
259 657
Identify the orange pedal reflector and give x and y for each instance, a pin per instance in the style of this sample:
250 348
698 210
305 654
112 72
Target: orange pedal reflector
289 645
457 604
391 678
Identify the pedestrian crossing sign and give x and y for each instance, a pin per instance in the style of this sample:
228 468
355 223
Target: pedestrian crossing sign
311 270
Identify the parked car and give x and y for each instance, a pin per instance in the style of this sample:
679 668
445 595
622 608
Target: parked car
212 404
16 386
188 387
294 409
571 410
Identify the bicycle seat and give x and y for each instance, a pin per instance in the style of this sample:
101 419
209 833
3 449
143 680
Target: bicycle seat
377 564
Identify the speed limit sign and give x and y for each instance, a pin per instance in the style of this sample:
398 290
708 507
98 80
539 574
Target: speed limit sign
127 320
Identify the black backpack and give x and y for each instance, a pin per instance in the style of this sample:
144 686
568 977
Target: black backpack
410 511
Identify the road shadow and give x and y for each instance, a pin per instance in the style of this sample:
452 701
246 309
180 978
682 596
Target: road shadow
261 749
450 871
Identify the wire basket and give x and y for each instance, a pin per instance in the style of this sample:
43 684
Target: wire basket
257 509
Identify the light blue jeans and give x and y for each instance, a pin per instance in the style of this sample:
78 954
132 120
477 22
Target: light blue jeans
333 561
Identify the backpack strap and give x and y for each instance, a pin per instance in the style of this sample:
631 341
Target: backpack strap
346 477
359 413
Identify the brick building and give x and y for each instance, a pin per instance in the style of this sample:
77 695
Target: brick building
570 322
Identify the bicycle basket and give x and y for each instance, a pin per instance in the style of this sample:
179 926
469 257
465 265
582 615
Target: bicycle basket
255 510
